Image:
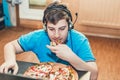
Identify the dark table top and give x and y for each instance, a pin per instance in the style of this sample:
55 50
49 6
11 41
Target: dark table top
23 67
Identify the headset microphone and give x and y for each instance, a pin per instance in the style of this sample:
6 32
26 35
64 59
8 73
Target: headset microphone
75 18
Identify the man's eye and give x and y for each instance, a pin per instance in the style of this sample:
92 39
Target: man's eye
51 29
62 28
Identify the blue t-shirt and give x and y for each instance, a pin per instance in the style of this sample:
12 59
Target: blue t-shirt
36 42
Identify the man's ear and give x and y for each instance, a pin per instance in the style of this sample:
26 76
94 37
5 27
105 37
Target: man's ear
45 27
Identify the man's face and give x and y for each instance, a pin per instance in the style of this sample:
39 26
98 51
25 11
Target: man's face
58 31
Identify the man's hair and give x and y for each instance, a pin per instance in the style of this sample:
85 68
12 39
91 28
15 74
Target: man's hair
55 12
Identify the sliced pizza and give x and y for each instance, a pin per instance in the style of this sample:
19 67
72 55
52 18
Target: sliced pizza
51 71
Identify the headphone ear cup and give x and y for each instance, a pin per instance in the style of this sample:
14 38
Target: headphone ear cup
70 25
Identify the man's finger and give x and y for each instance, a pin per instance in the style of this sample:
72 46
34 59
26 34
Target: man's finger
6 70
2 68
52 48
15 69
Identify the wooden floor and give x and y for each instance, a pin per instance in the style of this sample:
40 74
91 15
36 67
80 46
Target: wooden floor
106 51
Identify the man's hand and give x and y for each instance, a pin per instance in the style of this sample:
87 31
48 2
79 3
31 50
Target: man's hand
62 51
94 72
4 68
93 75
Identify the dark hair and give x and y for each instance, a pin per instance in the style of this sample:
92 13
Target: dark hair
55 12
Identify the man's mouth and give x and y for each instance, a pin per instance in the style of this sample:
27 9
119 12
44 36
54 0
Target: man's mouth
57 41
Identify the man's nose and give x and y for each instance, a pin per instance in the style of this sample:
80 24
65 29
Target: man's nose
56 34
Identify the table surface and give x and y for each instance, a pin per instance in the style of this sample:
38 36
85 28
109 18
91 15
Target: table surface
22 67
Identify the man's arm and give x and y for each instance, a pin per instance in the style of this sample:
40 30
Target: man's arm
85 66
10 50
65 53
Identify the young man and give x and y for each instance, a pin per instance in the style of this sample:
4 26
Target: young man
73 47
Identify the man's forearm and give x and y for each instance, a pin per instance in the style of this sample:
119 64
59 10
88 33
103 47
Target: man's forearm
9 52
79 64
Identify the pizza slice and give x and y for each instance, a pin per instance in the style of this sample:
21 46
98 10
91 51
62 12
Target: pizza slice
65 73
39 71
56 42
53 44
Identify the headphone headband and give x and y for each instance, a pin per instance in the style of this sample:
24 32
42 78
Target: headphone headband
63 9
56 6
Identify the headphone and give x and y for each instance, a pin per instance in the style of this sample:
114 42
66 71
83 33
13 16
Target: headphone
56 6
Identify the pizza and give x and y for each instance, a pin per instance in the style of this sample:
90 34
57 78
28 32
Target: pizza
54 43
51 71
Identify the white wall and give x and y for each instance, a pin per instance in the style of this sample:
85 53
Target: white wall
27 13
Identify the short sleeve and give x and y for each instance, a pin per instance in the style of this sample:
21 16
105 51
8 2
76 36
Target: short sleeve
26 41
84 51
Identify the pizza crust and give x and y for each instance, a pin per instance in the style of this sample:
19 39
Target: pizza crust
53 44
